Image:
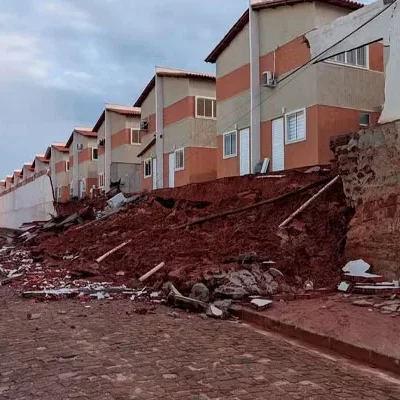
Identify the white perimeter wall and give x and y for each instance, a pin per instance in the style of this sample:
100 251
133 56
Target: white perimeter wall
30 202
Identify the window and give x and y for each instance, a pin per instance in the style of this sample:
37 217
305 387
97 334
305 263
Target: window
94 154
135 136
179 159
66 166
364 119
357 57
206 107
147 168
296 126
102 180
58 192
230 148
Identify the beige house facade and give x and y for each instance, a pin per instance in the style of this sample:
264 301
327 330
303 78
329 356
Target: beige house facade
178 113
119 143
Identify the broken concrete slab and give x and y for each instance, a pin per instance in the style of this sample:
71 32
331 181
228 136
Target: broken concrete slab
276 273
33 316
344 287
214 312
261 304
117 201
356 267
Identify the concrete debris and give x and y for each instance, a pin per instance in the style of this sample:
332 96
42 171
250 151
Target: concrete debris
261 304
120 273
116 201
317 168
214 312
247 282
363 303
200 292
391 307
356 267
276 273
33 316
308 285
344 287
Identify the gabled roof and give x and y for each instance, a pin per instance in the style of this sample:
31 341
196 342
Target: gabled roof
88 132
58 146
148 147
260 4
3 182
122 110
28 166
18 172
174 73
40 157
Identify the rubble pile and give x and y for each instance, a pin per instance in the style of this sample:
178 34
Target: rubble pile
233 254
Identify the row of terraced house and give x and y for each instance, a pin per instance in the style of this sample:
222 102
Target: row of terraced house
268 108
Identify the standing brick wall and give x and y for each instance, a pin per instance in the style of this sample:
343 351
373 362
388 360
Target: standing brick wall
369 164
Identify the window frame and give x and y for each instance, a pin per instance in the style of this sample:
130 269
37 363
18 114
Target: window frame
150 161
131 138
183 159
214 114
58 192
102 181
287 115
67 166
93 150
225 156
346 64
369 119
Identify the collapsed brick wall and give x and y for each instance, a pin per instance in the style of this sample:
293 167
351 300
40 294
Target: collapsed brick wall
369 163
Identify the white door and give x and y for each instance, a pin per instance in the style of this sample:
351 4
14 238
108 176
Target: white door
278 145
171 172
244 151
154 173
82 188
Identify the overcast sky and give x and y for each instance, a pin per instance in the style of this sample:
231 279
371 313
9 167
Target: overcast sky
61 60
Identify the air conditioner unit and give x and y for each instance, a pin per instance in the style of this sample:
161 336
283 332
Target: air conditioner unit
79 146
144 125
269 79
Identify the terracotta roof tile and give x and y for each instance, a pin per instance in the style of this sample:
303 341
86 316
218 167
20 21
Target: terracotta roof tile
173 72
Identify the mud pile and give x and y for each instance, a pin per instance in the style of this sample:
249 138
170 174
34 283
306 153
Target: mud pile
310 248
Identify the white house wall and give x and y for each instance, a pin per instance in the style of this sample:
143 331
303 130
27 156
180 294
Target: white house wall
30 202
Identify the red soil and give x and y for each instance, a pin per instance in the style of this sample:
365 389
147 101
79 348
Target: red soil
314 249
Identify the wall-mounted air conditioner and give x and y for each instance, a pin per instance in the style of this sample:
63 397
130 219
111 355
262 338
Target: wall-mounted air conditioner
269 79
144 125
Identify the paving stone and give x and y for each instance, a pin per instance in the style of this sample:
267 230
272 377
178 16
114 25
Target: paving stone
113 355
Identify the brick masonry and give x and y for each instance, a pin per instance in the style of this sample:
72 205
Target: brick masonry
369 163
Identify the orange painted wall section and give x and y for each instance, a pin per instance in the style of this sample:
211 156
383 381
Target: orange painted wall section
101 150
60 167
228 166
184 108
376 61
200 166
289 56
71 161
152 123
234 83
84 155
147 183
304 153
120 138
90 182
333 121
64 193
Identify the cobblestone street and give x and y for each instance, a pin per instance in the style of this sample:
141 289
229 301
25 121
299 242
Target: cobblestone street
106 351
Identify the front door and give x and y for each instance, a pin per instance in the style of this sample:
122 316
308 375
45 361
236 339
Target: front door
154 173
244 151
278 145
171 172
